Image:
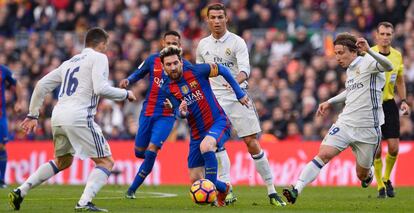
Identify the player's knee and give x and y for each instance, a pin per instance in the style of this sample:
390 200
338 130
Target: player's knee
378 154
153 148
139 153
393 150
2 147
206 147
63 162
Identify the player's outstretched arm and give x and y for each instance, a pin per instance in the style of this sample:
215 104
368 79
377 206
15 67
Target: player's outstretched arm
45 85
101 87
323 107
362 45
341 97
142 70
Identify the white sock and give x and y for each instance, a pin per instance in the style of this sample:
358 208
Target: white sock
43 173
223 171
309 173
263 168
96 180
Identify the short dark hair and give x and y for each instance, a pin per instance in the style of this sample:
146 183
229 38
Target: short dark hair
386 24
216 6
94 36
173 33
348 40
169 51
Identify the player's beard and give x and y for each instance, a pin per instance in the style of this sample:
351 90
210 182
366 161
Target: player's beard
175 74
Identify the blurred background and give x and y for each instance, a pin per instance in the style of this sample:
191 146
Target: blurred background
290 45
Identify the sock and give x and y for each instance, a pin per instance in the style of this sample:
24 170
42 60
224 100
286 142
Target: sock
144 170
378 173
309 173
389 164
96 180
210 164
263 168
3 164
43 173
223 166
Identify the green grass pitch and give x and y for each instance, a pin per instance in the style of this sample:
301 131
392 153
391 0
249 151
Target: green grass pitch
53 198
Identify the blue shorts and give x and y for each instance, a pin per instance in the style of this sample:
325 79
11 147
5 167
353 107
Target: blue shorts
3 131
220 130
153 129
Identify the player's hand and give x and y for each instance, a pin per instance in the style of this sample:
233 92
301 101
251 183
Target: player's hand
323 107
131 96
245 101
362 44
183 108
405 109
168 104
29 125
124 83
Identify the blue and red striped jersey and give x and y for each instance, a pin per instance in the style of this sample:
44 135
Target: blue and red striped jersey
154 100
194 88
5 75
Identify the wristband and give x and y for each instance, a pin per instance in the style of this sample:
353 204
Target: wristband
32 117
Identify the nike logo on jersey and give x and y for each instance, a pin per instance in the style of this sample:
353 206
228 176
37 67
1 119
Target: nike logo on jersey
210 132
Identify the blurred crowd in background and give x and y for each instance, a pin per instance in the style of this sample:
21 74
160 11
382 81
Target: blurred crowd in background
290 44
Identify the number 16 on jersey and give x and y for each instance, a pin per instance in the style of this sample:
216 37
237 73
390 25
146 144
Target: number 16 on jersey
70 83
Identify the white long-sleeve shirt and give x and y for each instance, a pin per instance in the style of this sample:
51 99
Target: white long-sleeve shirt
83 79
231 51
363 102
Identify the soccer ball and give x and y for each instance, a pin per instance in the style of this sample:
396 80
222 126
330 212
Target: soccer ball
203 191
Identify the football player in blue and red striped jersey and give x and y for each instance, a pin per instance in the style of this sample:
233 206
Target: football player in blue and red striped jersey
189 91
156 119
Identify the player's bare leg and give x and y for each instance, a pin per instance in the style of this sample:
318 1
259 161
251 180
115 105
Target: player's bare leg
96 180
310 172
43 173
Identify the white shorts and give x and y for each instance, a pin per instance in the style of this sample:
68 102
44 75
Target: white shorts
244 120
363 141
83 142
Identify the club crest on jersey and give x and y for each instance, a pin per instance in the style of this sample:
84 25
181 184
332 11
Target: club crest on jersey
193 84
228 51
184 89
358 72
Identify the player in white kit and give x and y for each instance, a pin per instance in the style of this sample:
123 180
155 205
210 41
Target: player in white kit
358 126
83 79
228 49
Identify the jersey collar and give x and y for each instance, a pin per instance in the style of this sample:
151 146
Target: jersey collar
355 62
87 49
222 39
